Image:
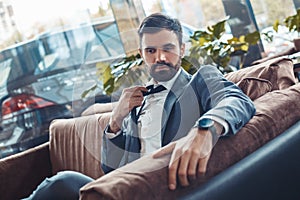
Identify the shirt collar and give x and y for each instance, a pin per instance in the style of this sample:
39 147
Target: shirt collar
167 84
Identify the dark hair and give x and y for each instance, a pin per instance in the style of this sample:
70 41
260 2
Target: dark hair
155 22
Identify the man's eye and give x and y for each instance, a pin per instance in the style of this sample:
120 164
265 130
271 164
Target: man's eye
168 49
150 50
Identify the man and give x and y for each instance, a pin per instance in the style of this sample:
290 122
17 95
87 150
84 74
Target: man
183 114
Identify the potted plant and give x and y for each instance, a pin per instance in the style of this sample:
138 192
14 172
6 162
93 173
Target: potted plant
293 24
208 47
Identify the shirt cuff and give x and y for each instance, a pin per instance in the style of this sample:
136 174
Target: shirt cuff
110 135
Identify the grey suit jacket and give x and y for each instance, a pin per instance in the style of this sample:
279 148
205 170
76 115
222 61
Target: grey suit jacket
205 94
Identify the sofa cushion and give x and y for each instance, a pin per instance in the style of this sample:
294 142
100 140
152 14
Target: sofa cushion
75 144
146 178
254 87
278 71
21 173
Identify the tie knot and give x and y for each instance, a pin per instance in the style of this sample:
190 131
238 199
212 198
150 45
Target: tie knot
152 89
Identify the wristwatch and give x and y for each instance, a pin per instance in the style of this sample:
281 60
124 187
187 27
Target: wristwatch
208 124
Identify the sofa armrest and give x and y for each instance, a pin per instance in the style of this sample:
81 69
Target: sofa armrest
99 108
276 112
21 173
75 144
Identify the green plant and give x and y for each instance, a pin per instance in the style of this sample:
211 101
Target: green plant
208 47
291 22
112 74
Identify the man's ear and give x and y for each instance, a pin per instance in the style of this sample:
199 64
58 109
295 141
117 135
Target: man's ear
141 53
182 50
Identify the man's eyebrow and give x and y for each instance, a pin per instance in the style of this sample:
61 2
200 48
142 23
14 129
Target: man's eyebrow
168 45
150 47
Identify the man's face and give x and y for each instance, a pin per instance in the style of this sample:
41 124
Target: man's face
162 54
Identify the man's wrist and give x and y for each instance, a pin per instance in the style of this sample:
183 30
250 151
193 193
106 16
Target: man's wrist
210 126
207 123
109 134
113 126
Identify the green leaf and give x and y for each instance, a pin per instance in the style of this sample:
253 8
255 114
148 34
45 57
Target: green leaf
219 29
104 71
276 25
109 86
84 94
187 64
292 22
252 38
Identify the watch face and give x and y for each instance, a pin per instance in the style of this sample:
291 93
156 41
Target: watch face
205 123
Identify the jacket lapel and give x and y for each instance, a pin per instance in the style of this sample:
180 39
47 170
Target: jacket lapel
132 143
176 91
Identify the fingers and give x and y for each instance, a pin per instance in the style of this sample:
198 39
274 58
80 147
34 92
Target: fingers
189 160
174 162
135 91
164 151
187 168
183 169
142 88
173 168
130 98
192 168
135 102
133 96
202 165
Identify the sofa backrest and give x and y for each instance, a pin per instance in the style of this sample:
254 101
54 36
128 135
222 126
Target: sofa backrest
268 84
257 80
146 178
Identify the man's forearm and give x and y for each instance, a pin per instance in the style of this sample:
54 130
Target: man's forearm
113 127
115 123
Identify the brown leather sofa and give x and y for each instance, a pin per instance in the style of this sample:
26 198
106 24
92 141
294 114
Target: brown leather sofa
259 161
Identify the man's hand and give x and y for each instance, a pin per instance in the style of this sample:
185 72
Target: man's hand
130 98
190 156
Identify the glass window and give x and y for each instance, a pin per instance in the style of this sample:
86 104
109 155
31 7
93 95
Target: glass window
44 46
48 48
266 13
200 13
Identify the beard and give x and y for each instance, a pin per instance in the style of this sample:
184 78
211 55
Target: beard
167 73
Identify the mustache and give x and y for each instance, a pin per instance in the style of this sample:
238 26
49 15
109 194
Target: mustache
163 63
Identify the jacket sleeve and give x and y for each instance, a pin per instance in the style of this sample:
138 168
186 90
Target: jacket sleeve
112 150
222 99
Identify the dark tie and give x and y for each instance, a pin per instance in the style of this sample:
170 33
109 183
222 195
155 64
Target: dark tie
151 90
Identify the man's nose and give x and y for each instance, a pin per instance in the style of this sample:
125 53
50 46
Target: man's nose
160 55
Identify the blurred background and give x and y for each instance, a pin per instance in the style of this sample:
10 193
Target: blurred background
50 51
24 20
